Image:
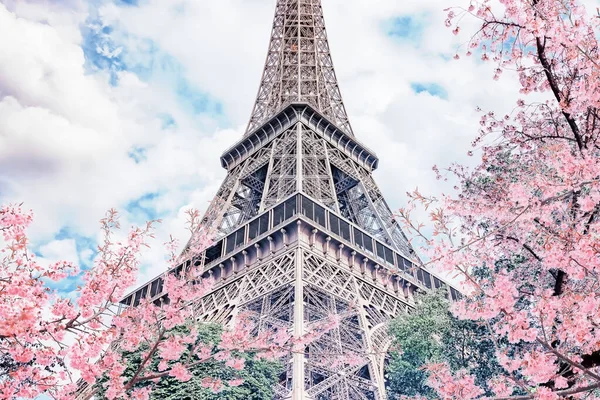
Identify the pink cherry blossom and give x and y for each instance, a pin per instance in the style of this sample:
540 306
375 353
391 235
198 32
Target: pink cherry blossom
84 338
235 382
236 363
521 233
214 385
180 372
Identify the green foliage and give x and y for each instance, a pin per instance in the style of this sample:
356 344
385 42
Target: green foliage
431 334
260 376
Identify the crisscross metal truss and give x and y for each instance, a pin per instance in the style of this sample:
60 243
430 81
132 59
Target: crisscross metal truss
299 66
269 292
301 160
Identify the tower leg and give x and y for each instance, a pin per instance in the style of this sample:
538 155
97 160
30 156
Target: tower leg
298 392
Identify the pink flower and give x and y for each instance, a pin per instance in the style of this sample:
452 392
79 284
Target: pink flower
179 372
172 348
235 363
588 204
214 385
560 382
141 394
544 393
235 382
204 352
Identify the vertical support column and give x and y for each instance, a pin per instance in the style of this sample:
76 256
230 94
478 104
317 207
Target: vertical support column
377 378
298 358
220 206
299 50
332 185
363 185
268 177
299 158
317 68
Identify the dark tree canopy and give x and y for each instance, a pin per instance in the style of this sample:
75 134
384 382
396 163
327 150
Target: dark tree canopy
431 334
260 376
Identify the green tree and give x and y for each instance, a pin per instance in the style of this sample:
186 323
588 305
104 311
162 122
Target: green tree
430 333
259 376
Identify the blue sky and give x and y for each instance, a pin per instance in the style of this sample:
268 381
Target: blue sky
105 48
407 27
432 89
128 104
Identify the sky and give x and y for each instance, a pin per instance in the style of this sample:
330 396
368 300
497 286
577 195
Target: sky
128 104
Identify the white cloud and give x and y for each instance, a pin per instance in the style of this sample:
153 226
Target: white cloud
59 250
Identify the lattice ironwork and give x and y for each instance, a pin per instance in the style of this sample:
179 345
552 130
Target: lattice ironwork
317 180
239 197
300 159
269 292
283 169
361 201
299 67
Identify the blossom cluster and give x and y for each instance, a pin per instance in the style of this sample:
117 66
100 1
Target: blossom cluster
74 348
522 231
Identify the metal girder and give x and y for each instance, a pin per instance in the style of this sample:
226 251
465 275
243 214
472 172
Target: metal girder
317 181
282 175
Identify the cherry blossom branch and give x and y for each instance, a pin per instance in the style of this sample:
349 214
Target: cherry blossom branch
569 361
561 393
146 359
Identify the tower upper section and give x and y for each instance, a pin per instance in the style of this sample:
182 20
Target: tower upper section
299 66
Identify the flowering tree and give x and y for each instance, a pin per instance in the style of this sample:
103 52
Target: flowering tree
430 333
77 349
51 344
523 230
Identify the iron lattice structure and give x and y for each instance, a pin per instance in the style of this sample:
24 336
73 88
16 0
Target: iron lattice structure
303 231
299 66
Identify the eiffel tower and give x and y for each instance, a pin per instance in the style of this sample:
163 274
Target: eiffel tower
302 230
